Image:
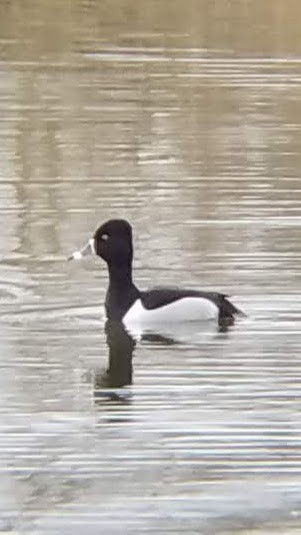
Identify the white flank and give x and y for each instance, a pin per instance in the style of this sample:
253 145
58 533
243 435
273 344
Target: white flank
182 310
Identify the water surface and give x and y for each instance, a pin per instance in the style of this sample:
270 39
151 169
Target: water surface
185 119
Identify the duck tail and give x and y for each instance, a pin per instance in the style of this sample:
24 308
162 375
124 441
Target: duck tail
228 311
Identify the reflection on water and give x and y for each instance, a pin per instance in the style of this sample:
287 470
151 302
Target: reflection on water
121 345
119 372
185 119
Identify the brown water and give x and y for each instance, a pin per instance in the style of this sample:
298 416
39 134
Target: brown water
183 117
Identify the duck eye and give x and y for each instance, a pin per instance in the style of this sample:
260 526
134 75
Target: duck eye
105 237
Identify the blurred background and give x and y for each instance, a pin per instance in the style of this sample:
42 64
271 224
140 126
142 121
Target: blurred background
183 117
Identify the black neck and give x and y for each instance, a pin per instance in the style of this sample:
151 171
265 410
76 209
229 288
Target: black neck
122 292
120 275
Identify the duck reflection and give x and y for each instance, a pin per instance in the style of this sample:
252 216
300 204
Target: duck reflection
121 346
119 373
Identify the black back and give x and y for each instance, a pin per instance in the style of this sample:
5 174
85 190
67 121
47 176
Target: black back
159 297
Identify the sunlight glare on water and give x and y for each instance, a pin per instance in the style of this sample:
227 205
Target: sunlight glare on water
183 118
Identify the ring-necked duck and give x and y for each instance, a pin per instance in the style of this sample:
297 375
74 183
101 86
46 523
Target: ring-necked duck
112 241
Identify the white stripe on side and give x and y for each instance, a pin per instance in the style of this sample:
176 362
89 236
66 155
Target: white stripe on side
92 245
182 310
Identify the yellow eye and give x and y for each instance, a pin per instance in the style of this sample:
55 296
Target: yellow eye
105 237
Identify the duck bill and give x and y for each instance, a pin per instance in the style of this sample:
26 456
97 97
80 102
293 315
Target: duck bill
87 250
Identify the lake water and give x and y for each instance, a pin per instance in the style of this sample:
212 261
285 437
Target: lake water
185 118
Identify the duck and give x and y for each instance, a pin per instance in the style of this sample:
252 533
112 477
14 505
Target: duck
124 302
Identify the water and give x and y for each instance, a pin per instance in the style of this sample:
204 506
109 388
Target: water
185 119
